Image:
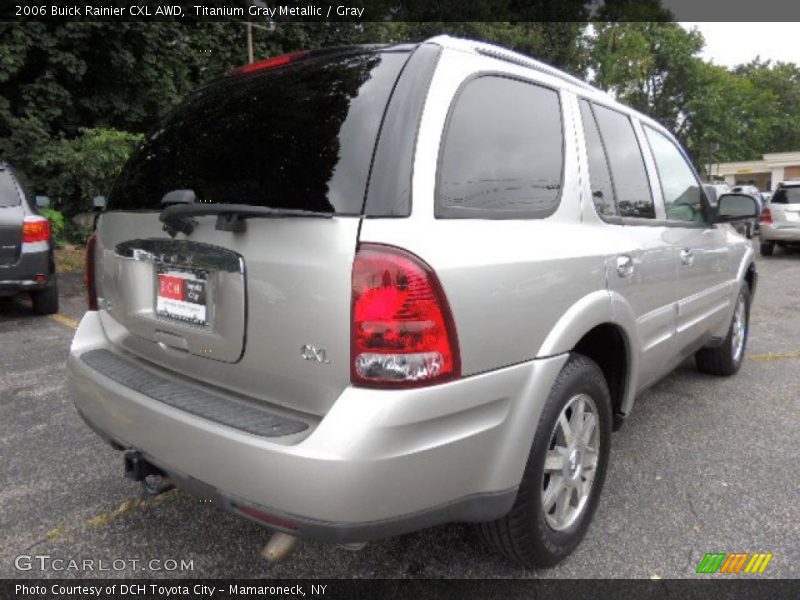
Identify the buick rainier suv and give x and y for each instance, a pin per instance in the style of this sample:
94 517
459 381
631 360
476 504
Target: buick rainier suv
357 292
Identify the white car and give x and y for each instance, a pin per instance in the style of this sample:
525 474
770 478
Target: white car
780 220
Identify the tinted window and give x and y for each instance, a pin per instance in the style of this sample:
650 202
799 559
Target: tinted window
627 165
389 191
502 155
9 192
300 136
788 195
599 175
683 199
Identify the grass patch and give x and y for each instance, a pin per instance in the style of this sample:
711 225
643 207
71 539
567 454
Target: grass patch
69 259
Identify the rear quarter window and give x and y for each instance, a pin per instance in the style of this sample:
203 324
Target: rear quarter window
502 155
9 190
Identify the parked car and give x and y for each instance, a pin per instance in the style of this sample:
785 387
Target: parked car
780 220
26 247
715 190
353 293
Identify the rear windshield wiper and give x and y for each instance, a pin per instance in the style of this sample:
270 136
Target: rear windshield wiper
230 217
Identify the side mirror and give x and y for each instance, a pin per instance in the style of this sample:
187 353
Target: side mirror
99 203
737 207
42 201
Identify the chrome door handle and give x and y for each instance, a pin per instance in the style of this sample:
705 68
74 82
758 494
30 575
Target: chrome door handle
687 256
624 266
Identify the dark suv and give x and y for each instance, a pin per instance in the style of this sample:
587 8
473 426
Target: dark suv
26 248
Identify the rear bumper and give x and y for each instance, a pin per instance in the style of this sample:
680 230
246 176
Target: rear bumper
21 276
779 233
380 463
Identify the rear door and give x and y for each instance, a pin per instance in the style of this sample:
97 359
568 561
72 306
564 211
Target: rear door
11 216
643 270
261 309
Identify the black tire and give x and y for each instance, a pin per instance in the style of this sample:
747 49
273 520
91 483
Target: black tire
767 248
721 360
524 535
45 301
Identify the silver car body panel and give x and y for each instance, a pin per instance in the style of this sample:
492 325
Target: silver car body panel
364 461
298 272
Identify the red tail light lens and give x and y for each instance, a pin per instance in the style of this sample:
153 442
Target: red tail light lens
766 216
265 517
275 61
403 333
35 229
89 273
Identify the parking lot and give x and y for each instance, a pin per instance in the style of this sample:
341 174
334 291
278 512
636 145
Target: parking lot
704 464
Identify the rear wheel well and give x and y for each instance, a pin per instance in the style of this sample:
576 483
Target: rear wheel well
605 345
750 278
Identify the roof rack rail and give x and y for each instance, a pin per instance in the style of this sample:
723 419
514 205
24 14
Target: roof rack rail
521 59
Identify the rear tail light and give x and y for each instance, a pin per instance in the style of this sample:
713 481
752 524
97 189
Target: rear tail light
403 333
766 216
89 273
35 229
269 63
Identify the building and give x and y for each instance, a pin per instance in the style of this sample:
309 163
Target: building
765 173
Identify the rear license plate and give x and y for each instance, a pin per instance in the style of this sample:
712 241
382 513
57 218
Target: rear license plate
792 216
181 295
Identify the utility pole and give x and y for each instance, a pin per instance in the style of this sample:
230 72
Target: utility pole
249 27
712 147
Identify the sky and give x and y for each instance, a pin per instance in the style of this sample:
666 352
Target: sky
730 44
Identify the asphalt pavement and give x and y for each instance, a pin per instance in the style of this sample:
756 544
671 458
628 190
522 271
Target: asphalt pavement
704 464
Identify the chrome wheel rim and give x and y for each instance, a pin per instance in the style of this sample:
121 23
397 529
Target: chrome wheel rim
739 331
570 464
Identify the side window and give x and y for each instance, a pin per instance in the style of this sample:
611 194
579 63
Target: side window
599 174
502 156
9 196
786 195
627 165
683 198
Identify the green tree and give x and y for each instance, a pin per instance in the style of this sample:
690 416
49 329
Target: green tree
651 66
84 166
775 104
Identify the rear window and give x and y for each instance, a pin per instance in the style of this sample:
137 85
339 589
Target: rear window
9 191
503 152
787 195
295 137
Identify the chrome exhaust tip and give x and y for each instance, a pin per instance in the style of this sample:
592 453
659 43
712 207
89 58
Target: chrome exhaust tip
279 547
353 546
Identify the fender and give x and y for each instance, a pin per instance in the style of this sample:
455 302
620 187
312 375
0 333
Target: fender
598 308
744 265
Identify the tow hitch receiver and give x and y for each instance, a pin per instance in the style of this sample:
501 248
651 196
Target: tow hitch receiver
137 468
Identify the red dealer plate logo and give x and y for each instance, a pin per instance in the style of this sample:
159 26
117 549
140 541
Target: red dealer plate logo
170 287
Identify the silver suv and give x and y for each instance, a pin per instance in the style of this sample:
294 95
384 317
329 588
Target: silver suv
357 292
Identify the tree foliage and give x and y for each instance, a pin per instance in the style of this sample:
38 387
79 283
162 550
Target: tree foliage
79 168
717 113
